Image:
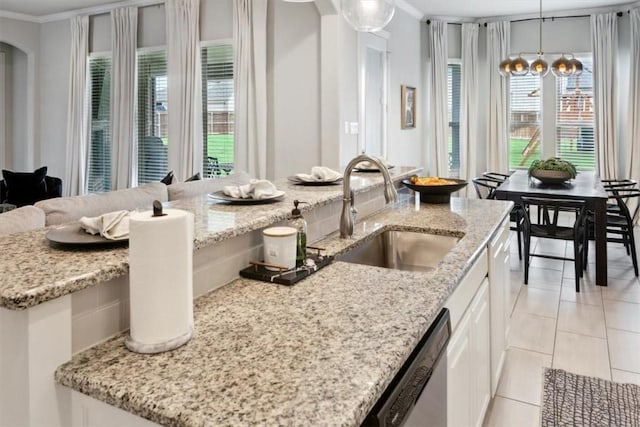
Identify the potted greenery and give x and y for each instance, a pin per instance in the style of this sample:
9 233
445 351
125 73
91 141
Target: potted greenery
552 171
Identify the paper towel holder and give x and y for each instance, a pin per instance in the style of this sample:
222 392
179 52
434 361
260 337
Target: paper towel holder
157 208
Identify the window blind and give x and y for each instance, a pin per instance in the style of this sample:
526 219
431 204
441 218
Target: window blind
575 118
453 111
152 115
218 109
99 167
525 120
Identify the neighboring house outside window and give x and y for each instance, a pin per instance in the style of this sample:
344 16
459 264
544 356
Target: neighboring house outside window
571 115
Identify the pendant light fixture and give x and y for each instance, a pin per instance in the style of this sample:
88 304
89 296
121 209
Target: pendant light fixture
368 15
561 67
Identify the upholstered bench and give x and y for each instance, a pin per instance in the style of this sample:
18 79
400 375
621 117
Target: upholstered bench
66 209
22 219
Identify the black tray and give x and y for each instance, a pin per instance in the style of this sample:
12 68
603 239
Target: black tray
289 277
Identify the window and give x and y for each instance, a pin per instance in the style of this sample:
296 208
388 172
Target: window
99 168
525 124
453 112
152 116
574 118
217 109
568 118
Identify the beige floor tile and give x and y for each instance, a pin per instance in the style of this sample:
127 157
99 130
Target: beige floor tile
551 264
622 290
508 413
622 315
624 347
522 375
542 302
582 355
544 278
581 319
625 377
620 269
551 247
589 293
532 332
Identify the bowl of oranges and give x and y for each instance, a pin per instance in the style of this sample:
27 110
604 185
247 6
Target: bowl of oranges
434 189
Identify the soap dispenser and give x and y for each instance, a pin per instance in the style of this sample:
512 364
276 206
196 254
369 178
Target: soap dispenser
299 223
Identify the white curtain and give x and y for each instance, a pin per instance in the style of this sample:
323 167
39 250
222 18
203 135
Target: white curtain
604 45
437 96
250 65
77 119
124 40
469 104
184 80
633 119
498 36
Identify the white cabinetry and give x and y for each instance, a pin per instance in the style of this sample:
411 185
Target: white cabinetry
499 288
468 353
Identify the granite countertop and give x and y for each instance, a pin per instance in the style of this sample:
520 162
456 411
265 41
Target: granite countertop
35 271
320 352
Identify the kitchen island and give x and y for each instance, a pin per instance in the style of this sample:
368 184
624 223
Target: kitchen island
320 352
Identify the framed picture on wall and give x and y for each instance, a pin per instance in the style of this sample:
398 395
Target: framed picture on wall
408 107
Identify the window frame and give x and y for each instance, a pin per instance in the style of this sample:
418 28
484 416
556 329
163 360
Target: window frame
454 172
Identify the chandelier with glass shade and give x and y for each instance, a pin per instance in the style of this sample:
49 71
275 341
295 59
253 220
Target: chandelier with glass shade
561 67
368 15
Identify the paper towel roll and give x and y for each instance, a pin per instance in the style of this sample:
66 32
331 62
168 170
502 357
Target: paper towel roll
160 280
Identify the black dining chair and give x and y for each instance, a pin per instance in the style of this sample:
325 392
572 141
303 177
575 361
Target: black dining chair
485 189
620 222
547 228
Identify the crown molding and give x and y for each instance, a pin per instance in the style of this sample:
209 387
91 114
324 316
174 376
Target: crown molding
563 13
94 10
411 10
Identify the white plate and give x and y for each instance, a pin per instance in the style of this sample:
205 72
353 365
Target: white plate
371 169
294 179
219 195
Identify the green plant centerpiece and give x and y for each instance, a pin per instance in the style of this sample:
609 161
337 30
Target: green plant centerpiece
553 170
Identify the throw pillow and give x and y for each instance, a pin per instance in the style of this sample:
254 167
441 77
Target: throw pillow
195 177
168 179
25 188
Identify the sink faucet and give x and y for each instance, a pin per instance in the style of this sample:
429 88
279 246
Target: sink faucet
348 217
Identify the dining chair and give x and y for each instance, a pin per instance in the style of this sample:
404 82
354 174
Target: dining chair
485 189
547 228
620 222
501 177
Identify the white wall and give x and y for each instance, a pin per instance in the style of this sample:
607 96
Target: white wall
54 95
406 66
293 93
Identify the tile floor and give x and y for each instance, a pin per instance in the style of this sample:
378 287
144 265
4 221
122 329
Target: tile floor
595 332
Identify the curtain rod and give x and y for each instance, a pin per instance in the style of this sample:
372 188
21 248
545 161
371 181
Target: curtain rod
544 18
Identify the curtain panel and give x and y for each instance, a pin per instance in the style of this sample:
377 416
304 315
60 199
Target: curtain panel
469 104
438 150
250 86
498 36
77 119
633 120
184 92
124 41
604 44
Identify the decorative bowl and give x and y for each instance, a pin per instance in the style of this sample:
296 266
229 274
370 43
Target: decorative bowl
436 193
550 176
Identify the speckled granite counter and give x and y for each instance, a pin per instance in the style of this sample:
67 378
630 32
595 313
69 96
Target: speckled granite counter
317 353
34 272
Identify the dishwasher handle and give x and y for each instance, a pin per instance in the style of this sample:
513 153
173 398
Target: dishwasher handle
399 398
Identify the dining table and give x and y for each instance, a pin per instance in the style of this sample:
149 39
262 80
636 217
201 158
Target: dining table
586 186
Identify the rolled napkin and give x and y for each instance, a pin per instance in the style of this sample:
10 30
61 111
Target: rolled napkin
255 189
112 225
370 165
320 174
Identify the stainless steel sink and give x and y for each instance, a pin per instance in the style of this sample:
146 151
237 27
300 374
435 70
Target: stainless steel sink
402 250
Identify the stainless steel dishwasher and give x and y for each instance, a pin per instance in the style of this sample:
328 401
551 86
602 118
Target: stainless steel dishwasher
417 396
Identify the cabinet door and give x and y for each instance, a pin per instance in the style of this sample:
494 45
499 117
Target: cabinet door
480 354
459 374
499 277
